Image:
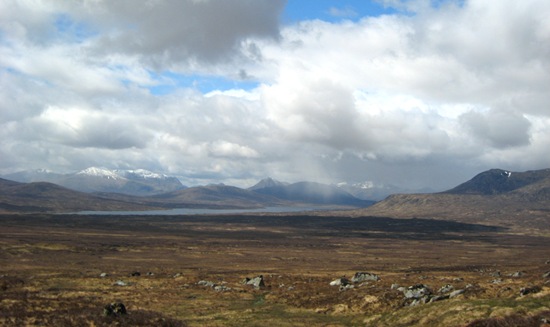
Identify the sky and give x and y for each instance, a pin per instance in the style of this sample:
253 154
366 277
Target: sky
416 94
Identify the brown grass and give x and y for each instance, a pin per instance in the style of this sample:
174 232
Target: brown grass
50 268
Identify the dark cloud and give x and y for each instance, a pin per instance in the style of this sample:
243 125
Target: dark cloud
500 129
168 32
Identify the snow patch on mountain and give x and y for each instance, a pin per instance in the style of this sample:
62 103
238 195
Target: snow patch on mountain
143 173
100 172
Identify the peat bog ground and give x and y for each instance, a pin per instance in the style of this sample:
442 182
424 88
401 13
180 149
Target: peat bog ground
62 270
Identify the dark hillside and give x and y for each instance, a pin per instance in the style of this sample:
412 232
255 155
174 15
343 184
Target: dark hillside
498 181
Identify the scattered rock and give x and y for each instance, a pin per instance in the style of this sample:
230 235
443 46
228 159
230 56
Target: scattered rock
103 275
455 293
114 309
529 290
395 287
363 277
177 275
121 283
446 289
340 282
496 281
345 287
438 298
496 274
458 279
206 283
221 288
135 274
417 291
257 282
518 274
150 274
546 274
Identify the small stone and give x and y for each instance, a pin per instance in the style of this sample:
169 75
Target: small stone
455 293
345 287
417 291
518 274
546 274
121 283
103 275
395 286
446 289
114 309
206 283
340 282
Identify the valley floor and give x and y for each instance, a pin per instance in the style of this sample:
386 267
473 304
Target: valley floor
62 270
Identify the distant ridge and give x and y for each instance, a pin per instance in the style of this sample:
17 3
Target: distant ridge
310 192
498 197
267 182
498 181
139 182
48 197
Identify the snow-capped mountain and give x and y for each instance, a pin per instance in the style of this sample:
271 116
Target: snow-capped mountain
96 179
100 172
141 174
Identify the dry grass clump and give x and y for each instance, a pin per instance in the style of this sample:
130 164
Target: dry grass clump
514 320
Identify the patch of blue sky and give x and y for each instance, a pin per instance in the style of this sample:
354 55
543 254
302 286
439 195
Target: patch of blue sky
70 29
170 82
333 10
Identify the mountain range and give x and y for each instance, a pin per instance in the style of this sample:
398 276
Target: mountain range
128 190
138 182
48 197
501 196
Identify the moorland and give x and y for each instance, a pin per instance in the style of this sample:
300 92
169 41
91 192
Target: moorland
476 255
62 270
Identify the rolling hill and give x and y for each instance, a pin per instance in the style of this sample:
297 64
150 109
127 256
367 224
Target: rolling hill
217 196
499 197
48 197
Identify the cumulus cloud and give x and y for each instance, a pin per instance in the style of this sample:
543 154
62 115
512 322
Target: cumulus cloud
457 86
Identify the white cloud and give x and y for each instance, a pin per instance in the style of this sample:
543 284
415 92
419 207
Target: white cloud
404 98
